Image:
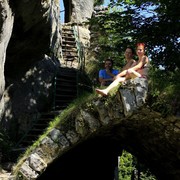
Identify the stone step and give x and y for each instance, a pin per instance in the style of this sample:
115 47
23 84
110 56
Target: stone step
70 54
71 59
68 37
71 50
68 42
69 46
66 87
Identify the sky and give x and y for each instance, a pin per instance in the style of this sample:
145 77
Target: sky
61 9
106 2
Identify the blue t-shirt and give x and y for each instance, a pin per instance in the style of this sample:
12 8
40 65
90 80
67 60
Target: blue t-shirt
104 75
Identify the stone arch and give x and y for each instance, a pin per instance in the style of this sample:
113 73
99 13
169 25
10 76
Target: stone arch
96 132
93 159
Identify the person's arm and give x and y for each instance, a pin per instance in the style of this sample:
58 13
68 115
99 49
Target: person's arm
100 76
128 65
108 71
140 64
124 70
136 67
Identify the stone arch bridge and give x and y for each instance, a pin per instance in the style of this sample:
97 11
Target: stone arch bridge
86 141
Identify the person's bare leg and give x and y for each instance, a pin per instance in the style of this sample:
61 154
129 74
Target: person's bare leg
105 92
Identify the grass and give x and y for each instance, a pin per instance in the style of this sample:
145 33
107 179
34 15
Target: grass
59 119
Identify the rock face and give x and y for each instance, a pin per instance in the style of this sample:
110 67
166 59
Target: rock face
31 46
30 29
6 25
25 99
35 33
82 10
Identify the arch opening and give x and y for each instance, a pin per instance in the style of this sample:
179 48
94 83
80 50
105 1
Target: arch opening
65 10
96 158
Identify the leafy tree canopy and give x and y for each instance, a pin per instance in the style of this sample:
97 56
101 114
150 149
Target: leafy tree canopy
154 22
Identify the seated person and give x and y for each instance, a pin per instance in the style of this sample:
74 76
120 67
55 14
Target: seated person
106 75
138 69
128 54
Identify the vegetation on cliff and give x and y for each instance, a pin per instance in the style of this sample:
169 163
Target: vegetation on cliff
153 22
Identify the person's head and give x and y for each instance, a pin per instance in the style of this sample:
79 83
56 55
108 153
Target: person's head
108 63
129 53
140 49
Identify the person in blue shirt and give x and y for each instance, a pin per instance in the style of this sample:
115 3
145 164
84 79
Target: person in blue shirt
106 75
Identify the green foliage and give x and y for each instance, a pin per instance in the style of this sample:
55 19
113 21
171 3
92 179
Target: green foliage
158 26
126 166
111 39
129 167
146 175
164 91
125 24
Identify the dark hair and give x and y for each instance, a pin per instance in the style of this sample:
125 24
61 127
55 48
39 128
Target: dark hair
132 49
108 59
